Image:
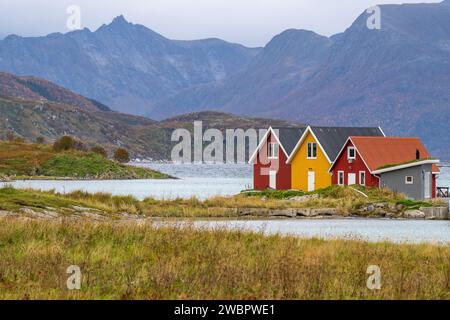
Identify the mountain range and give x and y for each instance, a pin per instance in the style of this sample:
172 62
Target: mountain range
125 66
397 77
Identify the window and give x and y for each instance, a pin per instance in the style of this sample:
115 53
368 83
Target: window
341 178
409 180
351 153
362 178
273 150
312 150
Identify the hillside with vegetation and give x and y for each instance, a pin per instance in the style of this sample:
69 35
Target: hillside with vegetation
142 137
20 160
33 88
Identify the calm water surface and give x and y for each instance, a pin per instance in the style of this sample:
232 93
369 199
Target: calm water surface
202 181
373 230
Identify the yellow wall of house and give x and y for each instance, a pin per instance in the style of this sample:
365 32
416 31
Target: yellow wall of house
301 166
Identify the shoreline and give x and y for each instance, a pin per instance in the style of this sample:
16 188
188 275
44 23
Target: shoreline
330 204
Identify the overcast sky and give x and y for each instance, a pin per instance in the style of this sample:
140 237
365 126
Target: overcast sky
250 22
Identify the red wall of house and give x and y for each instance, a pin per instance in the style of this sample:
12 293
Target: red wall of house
358 165
261 169
433 187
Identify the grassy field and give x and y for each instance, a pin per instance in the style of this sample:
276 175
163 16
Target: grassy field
130 261
38 161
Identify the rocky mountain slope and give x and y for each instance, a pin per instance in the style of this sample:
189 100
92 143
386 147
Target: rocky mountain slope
125 66
33 88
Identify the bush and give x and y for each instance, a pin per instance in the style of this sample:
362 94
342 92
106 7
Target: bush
10 136
64 143
99 150
121 155
40 140
68 143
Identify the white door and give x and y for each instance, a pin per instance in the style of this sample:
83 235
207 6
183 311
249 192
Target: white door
273 180
311 181
427 194
351 179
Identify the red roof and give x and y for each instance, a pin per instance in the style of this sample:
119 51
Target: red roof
378 152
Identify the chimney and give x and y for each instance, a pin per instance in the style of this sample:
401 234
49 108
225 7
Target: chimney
417 154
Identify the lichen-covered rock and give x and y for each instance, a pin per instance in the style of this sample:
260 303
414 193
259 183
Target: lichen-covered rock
414 214
324 212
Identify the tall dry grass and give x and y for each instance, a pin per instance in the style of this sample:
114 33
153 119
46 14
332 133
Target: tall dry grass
128 261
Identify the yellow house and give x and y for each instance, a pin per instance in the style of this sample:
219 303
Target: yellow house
315 152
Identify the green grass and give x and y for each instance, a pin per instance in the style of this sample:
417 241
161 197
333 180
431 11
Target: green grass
130 261
24 161
14 199
274 194
413 205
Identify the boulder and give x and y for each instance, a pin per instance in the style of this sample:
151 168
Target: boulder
324 212
304 212
381 205
414 214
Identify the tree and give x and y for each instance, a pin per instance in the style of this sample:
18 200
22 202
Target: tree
10 136
40 140
99 150
78 145
64 143
121 155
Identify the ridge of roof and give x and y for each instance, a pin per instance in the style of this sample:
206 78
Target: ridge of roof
331 139
287 139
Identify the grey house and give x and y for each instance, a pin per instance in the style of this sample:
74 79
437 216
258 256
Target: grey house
415 180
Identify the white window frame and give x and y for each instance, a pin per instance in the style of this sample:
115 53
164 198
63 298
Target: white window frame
310 146
273 146
409 182
339 178
365 176
348 153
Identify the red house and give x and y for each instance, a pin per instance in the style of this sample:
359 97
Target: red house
401 164
269 159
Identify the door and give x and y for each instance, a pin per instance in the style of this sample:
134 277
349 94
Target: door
273 180
311 181
427 193
351 179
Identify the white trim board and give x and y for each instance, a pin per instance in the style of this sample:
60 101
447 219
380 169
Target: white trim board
261 143
300 142
357 152
404 166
